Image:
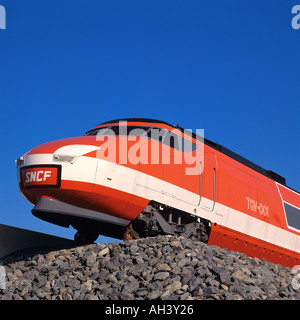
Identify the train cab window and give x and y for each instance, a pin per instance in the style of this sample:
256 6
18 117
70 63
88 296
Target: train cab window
106 131
118 130
137 131
92 132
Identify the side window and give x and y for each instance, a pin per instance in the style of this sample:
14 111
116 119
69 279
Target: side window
179 143
137 132
173 140
157 134
292 215
188 146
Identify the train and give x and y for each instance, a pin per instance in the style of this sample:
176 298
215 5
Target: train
137 177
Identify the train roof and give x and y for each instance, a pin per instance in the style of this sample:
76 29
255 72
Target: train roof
268 173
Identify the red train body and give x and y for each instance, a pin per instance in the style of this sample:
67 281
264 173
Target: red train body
110 181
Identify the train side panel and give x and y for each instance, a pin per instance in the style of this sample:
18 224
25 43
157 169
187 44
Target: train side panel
253 218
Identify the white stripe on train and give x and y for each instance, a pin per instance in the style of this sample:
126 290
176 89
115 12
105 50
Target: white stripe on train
143 185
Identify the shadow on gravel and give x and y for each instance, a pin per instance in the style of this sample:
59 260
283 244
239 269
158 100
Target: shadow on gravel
28 253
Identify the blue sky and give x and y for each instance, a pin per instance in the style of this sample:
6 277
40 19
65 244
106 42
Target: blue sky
231 68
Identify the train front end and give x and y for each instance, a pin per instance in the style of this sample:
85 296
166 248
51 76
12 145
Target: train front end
58 178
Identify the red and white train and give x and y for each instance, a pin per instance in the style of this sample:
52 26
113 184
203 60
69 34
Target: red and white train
91 183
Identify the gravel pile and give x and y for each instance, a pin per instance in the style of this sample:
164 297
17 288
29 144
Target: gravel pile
162 268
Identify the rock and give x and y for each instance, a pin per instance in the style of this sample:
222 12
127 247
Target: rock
210 291
165 295
91 259
193 283
134 250
138 260
126 296
161 268
223 275
130 287
185 296
104 252
161 276
40 281
87 286
135 270
154 295
241 276
184 262
175 285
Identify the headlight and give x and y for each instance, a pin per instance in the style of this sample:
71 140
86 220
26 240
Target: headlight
19 161
64 158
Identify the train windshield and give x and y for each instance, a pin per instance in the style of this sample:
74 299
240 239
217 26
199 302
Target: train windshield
164 136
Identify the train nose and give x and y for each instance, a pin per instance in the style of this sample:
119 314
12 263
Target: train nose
64 150
72 146
59 169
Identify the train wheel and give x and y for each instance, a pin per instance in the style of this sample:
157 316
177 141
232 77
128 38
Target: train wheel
198 231
85 236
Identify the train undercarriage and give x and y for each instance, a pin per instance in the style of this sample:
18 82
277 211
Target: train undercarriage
156 219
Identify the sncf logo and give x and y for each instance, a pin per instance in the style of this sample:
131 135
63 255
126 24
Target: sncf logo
37 176
40 176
